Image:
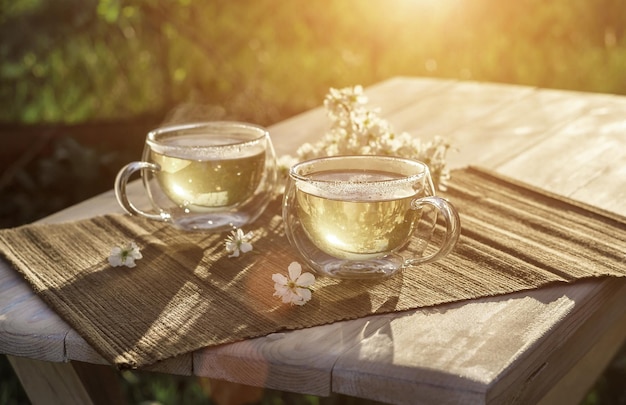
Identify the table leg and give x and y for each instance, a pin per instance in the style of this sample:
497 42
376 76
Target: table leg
67 383
573 387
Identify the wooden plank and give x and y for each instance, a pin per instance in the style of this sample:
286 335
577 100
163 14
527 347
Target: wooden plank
452 353
566 343
399 93
104 203
504 130
477 352
584 159
573 388
607 188
28 327
52 383
509 131
77 349
298 361
457 106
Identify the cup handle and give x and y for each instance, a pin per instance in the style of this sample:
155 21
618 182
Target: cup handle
453 228
122 197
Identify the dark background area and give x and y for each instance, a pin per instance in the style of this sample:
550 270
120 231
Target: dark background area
82 81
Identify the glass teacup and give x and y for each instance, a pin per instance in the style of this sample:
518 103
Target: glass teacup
210 175
365 216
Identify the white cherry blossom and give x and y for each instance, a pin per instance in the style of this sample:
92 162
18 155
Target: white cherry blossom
356 129
295 289
125 256
238 242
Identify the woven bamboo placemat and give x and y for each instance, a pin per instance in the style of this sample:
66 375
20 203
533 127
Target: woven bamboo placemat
186 293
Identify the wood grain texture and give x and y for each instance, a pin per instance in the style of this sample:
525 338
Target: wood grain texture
581 378
453 353
28 328
479 352
48 383
289 361
506 349
77 349
538 370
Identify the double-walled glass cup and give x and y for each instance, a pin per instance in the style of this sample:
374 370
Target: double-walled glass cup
204 176
365 216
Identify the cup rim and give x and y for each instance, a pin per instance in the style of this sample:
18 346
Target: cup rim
294 174
220 125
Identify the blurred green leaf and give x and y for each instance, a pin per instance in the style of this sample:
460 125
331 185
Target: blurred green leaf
12 71
109 10
264 63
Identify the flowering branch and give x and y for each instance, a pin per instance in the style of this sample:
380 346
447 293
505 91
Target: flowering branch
357 130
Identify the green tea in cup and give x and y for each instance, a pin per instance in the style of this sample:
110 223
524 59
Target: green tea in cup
356 216
364 223
213 175
200 173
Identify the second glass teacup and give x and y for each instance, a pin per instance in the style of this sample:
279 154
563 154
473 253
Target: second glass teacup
365 216
206 176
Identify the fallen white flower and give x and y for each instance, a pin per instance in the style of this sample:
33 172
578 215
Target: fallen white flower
125 256
238 242
295 288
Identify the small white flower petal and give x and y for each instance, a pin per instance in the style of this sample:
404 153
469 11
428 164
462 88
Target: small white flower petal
135 253
294 270
305 280
125 256
287 297
245 247
304 293
115 261
279 278
280 290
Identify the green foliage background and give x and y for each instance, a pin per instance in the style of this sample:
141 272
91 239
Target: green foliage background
76 65
76 60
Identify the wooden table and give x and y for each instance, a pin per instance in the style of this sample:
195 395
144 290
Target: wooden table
520 348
